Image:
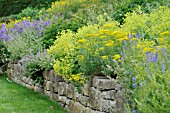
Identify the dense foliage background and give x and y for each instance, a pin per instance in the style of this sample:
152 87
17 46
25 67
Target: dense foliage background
8 7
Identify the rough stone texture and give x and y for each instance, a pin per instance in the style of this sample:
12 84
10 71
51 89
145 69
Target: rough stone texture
47 85
38 89
103 83
85 89
95 98
101 95
109 94
70 91
62 88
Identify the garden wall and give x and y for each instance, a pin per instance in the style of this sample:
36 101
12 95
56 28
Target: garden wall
99 95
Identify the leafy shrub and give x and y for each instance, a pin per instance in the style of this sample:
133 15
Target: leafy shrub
136 53
28 12
152 24
35 64
15 6
54 30
24 37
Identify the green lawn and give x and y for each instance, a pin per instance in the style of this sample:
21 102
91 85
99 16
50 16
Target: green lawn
17 99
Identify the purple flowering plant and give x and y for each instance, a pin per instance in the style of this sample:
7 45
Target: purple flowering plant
26 35
146 73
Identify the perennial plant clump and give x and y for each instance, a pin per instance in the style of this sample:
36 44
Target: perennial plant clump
83 42
135 53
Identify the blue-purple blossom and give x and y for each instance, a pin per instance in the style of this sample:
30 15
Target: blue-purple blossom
163 69
134 85
4 34
124 41
155 59
138 35
133 111
133 79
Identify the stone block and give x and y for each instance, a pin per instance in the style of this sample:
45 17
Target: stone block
38 89
58 79
62 88
47 93
47 85
103 83
95 99
108 105
84 100
70 91
55 87
85 89
29 86
95 111
62 99
119 104
111 95
76 107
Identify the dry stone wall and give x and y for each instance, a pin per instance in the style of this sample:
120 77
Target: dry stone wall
99 95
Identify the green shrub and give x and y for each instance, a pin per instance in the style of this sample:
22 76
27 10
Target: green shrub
35 64
8 7
62 24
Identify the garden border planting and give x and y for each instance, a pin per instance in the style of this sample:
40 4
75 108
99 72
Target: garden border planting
99 95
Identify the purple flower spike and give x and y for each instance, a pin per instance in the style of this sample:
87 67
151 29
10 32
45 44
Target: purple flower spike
133 111
164 49
163 69
138 35
133 79
124 41
155 59
134 85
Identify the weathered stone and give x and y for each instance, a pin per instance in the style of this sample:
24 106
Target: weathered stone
102 83
51 75
109 94
61 104
47 85
55 88
20 68
58 79
83 100
108 105
95 111
70 91
119 94
76 96
47 93
76 107
62 99
29 86
51 87
87 110
85 89
95 99
119 104
53 97
38 89
10 73
62 88
23 79
22 83
48 75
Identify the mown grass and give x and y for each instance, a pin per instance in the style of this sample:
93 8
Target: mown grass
17 99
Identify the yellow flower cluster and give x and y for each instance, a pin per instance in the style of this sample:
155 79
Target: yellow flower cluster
116 57
104 57
77 78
